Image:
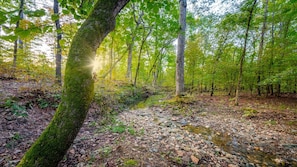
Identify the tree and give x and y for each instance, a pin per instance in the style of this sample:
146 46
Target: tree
58 39
250 16
17 41
260 52
145 36
181 48
131 43
78 88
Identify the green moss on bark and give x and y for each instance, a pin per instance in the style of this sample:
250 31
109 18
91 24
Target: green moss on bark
78 88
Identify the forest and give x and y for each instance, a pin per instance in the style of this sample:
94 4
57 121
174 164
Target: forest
148 83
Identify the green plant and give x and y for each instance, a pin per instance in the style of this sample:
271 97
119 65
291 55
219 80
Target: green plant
15 108
131 130
13 140
16 136
119 128
8 103
141 132
93 124
130 163
43 103
271 122
105 151
249 112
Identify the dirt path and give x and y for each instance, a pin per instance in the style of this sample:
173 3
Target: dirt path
161 136
210 139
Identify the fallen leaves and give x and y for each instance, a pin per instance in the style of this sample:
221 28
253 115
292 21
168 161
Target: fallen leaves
194 159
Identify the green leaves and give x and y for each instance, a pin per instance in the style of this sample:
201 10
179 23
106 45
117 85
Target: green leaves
36 13
79 9
3 18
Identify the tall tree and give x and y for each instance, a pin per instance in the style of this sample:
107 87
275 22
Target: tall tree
260 52
58 38
144 38
131 43
78 88
17 41
181 48
250 16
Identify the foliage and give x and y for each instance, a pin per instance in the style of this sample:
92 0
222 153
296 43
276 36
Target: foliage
15 108
249 112
209 59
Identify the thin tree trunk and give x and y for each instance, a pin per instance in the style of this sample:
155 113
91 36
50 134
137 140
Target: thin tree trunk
139 55
181 48
271 61
111 58
58 49
15 48
244 51
260 52
131 45
78 88
218 56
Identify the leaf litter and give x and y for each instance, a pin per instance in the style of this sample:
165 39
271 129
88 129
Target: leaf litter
156 136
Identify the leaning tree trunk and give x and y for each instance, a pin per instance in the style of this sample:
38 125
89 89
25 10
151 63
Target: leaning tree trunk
78 88
244 52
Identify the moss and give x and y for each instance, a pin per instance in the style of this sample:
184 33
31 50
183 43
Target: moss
78 89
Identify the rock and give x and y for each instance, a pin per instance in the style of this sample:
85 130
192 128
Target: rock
232 165
183 122
194 159
82 151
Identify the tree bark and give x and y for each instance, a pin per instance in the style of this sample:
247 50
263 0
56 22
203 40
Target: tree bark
15 48
244 51
140 52
78 88
181 48
131 45
260 52
58 49
218 55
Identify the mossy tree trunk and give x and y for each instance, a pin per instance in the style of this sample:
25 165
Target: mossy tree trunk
78 88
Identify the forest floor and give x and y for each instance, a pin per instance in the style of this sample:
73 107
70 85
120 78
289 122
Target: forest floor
198 130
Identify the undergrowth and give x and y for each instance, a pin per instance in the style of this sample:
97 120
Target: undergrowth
113 99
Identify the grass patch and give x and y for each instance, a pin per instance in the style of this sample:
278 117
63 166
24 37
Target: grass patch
151 101
271 122
130 162
292 123
249 112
